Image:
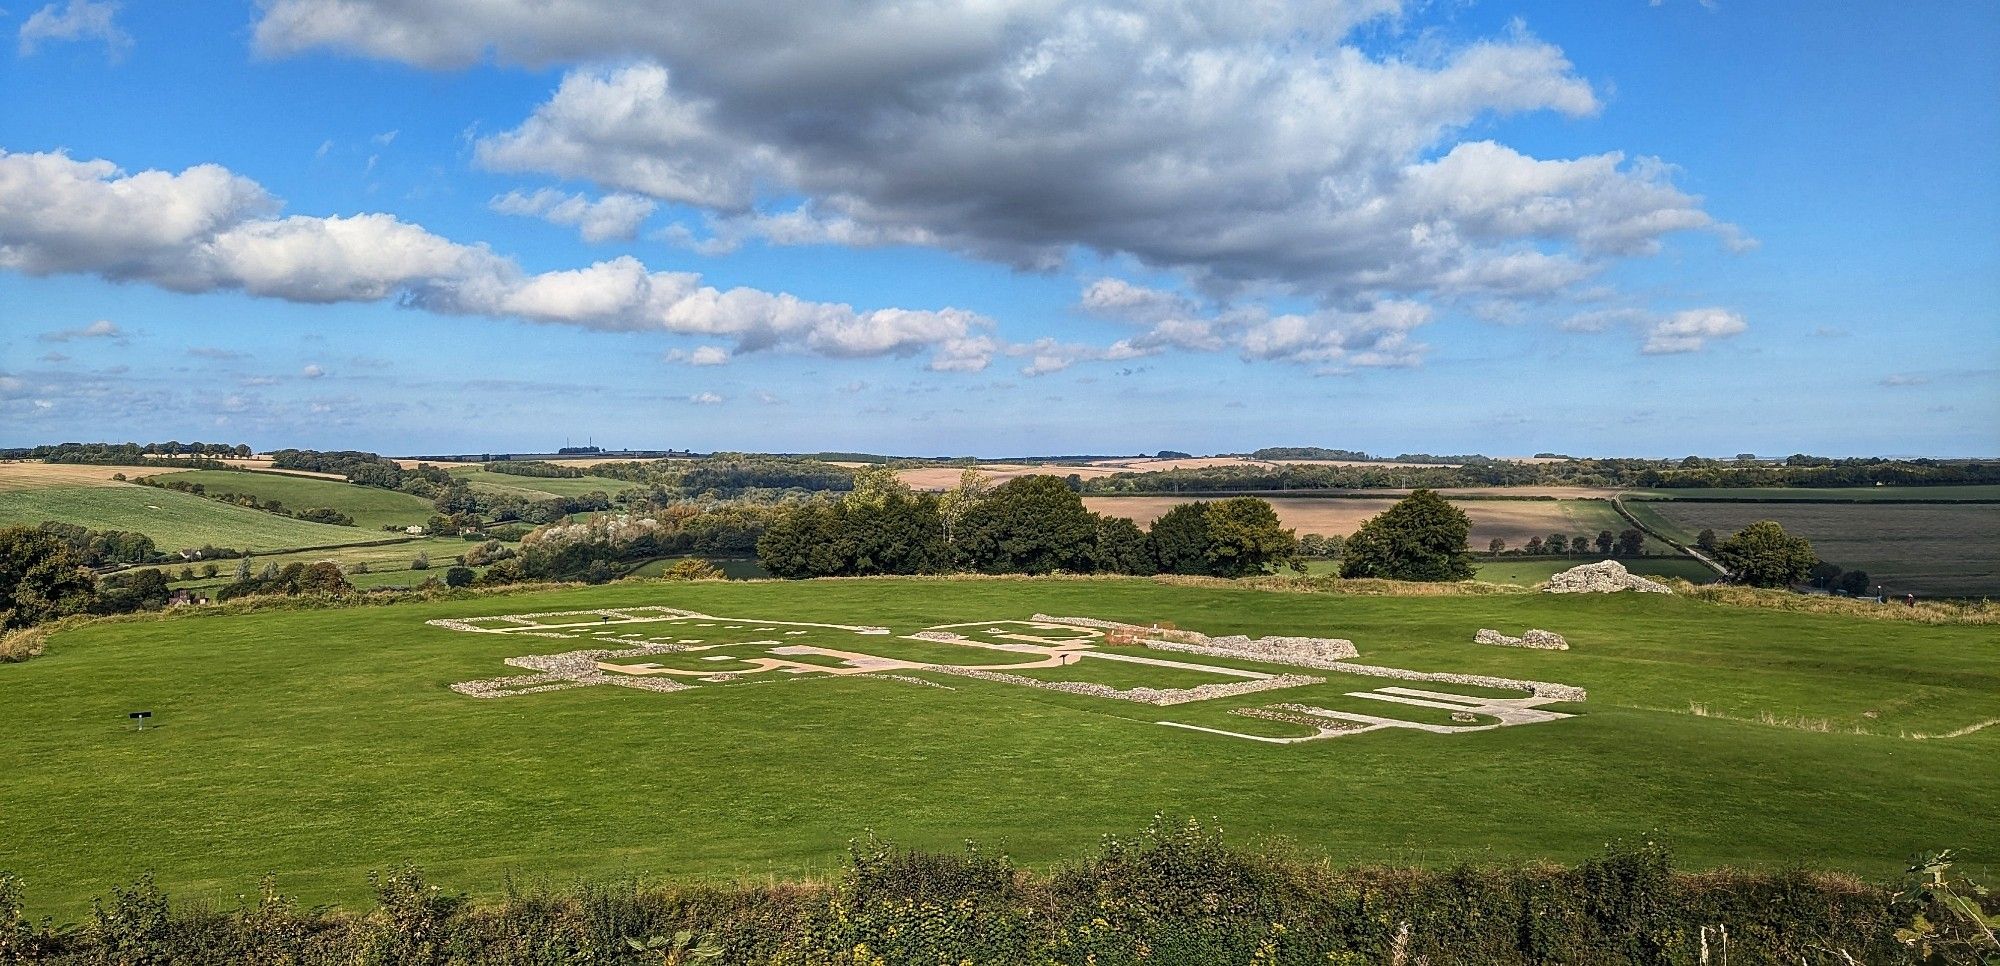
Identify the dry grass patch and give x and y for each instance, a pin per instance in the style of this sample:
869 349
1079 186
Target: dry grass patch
27 475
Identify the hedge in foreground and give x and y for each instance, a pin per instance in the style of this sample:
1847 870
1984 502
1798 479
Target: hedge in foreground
1175 895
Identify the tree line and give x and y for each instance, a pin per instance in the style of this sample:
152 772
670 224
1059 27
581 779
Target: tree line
127 454
1026 525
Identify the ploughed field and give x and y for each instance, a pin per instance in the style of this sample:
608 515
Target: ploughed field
321 744
1929 549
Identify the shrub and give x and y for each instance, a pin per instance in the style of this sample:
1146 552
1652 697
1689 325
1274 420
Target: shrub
422 562
458 576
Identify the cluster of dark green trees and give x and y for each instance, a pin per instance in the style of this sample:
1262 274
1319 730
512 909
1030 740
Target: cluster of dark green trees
123 454
534 468
1027 525
1629 542
43 577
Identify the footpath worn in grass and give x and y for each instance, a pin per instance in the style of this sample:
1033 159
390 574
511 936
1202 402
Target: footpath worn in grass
371 507
174 520
320 744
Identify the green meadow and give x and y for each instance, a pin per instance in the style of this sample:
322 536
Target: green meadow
321 744
371 507
173 519
536 487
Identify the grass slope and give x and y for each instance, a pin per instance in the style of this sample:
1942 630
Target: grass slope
321 744
371 507
537 487
174 520
1926 549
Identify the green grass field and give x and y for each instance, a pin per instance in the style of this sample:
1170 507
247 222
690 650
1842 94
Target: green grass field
1780 494
371 507
1527 573
536 487
321 744
1925 549
174 520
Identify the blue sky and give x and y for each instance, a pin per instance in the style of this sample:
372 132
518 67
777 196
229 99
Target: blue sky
1004 228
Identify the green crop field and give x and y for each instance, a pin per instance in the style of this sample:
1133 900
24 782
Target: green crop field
321 744
174 520
1925 549
537 487
371 507
1527 573
1864 494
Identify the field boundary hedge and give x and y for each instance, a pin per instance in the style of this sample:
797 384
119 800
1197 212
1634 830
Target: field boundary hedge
1174 894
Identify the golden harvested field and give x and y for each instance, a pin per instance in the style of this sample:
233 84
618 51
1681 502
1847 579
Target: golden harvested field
945 477
1511 520
24 475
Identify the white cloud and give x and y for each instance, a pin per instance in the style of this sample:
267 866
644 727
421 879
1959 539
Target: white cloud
312 371
705 399
206 229
1254 149
614 216
100 329
1904 379
1691 330
76 20
707 355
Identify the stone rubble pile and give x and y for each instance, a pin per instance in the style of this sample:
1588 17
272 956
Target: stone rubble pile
1603 577
1540 639
1302 651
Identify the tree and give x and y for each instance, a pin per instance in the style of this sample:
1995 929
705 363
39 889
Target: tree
1244 537
1122 548
1579 544
1764 555
458 576
41 578
1422 537
1605 541
1556 543
322 577
1179 539
952 506
1854 583
1631 541
1534 546
210 570
133 590
243 569
1705 541
1496 546
1823 575
1029 524
422 561
691 568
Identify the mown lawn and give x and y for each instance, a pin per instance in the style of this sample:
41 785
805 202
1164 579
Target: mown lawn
321 744
174 520
371 507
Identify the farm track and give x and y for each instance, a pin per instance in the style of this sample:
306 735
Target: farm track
1619 505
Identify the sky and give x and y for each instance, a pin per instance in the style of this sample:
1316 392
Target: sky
1004 227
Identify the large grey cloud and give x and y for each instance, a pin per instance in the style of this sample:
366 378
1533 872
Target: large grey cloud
1253 148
